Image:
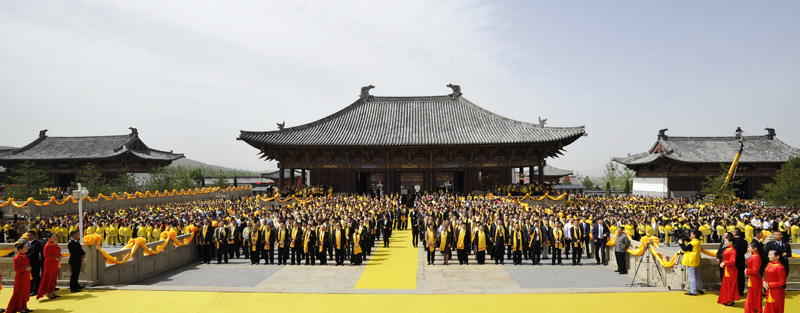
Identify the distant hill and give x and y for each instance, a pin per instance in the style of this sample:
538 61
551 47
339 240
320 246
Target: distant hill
212 170
6 147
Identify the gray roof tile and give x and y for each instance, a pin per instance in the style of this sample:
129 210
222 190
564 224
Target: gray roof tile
757 149
412 121
94 147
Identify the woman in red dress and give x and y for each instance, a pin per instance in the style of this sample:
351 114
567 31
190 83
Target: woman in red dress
753 302
730 288
22 281
52 256
774 280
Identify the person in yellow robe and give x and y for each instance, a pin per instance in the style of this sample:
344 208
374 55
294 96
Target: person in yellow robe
112 234
101 230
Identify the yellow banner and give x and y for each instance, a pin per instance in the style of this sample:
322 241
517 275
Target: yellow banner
114 196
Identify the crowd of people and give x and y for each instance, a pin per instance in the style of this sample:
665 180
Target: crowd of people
344 229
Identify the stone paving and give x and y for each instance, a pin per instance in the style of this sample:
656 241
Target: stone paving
240 276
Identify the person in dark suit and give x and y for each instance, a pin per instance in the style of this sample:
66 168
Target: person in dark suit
463 243
758 241
535 243
35 250
600 234
586 229
221 237
783 250
740 244
205 240
323 242
415 224
386 228
498 236
76 256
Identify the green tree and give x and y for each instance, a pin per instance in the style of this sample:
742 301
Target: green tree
160 179
587 182
713 186
627 189
785 191
91 178
124 182
27 182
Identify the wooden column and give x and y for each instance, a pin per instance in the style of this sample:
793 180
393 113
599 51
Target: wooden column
541 172
280 177
303 175
291 177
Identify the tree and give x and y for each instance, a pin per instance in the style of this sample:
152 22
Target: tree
785 191
160 179
587 183
27 182
91 178
611 174
627 189
125 182
713 186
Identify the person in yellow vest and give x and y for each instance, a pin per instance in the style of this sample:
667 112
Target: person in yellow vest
156 233
141 231
101 230
668 229
748 232
112 234
691 258
720 231
90 230
795 232
149 231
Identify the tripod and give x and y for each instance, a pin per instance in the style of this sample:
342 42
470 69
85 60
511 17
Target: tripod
644 259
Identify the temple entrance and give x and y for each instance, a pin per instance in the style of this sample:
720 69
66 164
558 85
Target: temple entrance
409 182
369 182
449 182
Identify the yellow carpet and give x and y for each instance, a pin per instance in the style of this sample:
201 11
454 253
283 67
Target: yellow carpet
121 301
394 267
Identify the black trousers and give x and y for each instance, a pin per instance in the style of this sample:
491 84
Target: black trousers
205 251
463 256
621 266
567 246
233 249
36 277
321 257
283 255
556 257
310 255
414 236
330 253
431 255
246 250
222 253
576 255
600 251
740 279
268 256
385 239
297 254
339 256
517 255
536 253
255 256
75 268
480 256
588 247
498 254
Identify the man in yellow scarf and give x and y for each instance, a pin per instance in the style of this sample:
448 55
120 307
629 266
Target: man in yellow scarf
557 238
323 244
480 243
339 241
463 238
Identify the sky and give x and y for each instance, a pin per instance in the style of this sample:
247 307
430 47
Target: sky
191 74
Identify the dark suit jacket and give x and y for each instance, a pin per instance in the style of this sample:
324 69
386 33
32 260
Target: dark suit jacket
773 245
36 253
598 235
76 253
586 229
209 236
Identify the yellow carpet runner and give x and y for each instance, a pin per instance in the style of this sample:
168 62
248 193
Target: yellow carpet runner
394 267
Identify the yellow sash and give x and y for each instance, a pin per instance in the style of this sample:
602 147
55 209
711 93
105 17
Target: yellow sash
294 236
431 240
481 241
338 239
443 244
356 240
321 238
461 239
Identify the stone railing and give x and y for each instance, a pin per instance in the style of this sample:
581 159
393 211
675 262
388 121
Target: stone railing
653 273
95 270
101 204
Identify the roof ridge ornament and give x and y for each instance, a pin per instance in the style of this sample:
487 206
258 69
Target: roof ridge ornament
662 134
134 131
542 122
456 91
770 133
281 126
43 133
365 93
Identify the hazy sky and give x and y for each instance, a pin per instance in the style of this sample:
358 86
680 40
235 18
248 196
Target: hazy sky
191 74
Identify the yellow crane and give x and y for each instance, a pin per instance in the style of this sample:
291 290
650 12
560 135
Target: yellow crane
732 170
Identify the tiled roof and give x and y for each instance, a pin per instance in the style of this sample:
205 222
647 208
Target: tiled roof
551 171
412 121
81 148
757 149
